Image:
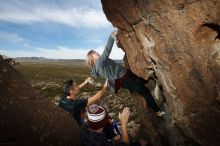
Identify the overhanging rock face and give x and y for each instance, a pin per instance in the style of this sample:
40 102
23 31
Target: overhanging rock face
26 120
180 41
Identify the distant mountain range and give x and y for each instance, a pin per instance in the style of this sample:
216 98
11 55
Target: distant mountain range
39 59
36 59
30 58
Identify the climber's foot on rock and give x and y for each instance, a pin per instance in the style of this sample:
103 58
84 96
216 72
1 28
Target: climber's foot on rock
160 113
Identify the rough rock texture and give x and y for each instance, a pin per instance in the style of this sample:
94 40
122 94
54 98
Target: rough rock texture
25 120
180 41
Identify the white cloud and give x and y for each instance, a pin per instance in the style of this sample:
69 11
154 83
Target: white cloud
71 16
13 38
61 53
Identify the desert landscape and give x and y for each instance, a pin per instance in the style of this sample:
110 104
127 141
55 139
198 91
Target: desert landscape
47 78
172 44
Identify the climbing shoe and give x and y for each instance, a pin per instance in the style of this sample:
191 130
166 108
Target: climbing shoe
160 113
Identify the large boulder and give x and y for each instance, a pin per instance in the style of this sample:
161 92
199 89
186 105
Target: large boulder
26 120
180 41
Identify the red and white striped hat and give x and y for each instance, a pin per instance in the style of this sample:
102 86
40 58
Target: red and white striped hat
97 116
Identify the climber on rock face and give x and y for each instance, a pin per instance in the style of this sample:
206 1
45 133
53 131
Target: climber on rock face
74 105
117 75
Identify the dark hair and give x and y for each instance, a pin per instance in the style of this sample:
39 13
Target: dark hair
67 86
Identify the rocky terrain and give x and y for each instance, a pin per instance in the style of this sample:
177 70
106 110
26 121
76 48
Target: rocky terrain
9 60
179 41
26 119
43 93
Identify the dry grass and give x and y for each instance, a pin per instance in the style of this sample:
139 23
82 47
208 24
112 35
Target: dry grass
47 78
54 71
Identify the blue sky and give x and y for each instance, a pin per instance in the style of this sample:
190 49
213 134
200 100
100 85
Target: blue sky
65 29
